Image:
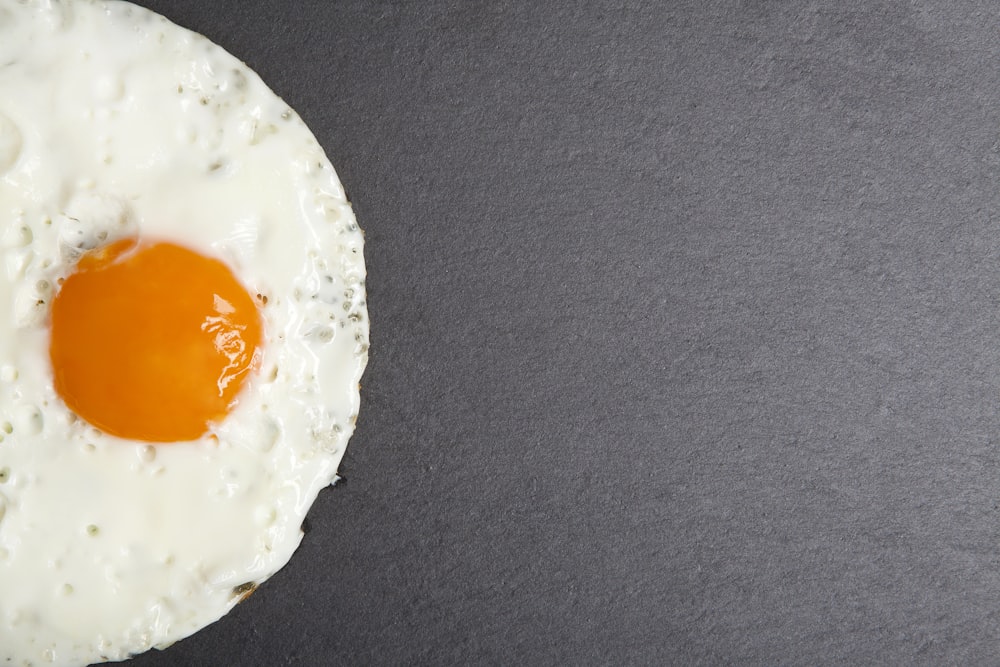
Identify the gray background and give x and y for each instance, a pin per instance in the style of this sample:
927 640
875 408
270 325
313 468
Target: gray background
685 333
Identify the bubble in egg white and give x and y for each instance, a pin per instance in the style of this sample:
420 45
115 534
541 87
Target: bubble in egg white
17 236
29 421
108 88
93 219
17 263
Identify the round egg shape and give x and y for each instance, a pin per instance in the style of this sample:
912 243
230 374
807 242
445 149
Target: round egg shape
117 124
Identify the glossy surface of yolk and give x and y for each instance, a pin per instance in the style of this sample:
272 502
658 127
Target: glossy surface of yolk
152 341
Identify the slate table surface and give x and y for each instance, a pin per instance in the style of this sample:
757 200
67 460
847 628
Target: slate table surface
684 333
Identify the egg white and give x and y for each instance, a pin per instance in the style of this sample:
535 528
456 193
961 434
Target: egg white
115 122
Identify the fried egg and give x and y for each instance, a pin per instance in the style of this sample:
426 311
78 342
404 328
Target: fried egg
184 329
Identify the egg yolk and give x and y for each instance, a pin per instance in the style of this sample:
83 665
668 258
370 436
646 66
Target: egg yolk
152 341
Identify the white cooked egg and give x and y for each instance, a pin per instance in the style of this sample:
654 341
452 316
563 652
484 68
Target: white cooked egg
117 124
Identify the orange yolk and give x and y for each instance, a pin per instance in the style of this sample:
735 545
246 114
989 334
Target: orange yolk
151 341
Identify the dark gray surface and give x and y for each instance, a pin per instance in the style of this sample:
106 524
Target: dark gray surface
684 340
